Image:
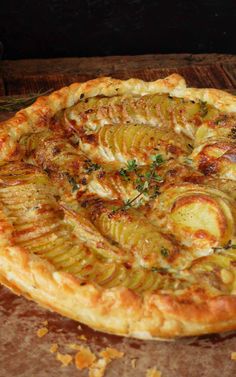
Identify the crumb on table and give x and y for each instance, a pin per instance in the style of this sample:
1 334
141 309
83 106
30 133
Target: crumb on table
111 353
42 331
65 359
82 337
98 368
84 358
133 363
153 372
54 347
233 355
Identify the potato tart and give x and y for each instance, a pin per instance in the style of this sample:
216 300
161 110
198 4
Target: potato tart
117 206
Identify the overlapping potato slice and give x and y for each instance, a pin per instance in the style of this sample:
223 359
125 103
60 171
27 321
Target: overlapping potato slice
67 166
217 157
221 127
134 233
66 239
200 217
124 142
159 110
217 271
53 153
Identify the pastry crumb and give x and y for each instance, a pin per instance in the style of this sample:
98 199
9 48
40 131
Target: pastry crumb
98 368
74 346
133 363
42 331
233 355
153 372
45 323
65 359
84 358
54 347
111 353
82 337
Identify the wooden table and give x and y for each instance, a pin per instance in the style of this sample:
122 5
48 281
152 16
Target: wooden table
25 76
22 353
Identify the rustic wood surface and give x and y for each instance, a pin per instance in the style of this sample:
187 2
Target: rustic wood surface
27 76
22 353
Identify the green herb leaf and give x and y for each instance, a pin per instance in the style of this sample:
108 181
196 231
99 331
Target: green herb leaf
90 167
124 175
164 252
157 159
73 183
131 165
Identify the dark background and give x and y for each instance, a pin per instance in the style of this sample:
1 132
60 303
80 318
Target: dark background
57 28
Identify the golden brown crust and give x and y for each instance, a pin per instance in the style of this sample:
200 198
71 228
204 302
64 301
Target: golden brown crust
39 114
116 310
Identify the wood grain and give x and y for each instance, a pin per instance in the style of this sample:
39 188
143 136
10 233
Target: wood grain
203 70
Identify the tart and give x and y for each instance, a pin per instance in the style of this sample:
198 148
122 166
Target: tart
117 206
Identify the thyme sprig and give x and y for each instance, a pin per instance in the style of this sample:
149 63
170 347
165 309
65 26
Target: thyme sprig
131 166
143 181
15 103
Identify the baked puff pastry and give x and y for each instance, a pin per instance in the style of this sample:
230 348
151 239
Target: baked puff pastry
117 206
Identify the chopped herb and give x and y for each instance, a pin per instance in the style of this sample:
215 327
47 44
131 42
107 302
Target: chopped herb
155 192
73 183
164 252
203 109
131 165
219 120
124 175
157 159
232 133
159 269
90 167
157 178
